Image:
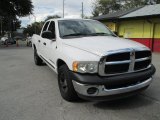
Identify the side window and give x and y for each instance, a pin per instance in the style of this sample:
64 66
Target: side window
45 26
52 27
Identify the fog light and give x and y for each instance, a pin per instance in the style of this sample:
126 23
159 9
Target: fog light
92 90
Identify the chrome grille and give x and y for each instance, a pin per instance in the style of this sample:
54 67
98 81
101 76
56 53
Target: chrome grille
124 61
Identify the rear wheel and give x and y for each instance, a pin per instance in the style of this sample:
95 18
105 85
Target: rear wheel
65 84
38 61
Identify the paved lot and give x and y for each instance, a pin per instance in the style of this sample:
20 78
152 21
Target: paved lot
29 92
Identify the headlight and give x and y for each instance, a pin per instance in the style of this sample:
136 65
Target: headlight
85 67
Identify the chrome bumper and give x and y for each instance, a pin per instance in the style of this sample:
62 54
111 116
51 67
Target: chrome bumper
102 91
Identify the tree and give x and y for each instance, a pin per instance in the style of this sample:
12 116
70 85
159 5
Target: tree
133 4
52 17
108 6
105 7
15 7
11 9
9 24
35 28
158 1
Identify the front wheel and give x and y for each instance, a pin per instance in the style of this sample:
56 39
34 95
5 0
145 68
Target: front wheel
65 84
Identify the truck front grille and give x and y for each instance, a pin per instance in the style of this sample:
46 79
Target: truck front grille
142 54
118 57
120 68
142 64
124 61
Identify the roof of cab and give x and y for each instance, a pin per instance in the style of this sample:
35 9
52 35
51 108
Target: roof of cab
57 19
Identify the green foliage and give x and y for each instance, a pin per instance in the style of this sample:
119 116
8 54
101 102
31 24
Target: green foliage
15 7
133 4
158 1
52 17
9 24
35 28
11 9
105 7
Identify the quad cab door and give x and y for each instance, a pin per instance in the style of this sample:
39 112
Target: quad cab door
48 43
52 45
42 41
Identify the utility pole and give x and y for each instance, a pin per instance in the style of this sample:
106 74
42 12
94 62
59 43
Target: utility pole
82 11
63 8
1 26
35 23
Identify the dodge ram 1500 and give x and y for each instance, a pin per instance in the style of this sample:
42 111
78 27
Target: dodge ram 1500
91 61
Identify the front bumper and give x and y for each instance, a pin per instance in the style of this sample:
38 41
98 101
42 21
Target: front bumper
111 86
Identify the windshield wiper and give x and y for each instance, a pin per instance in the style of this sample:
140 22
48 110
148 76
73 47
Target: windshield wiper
93 34
102 34
77 34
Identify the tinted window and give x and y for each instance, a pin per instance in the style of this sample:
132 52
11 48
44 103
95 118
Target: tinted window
52 27
45 26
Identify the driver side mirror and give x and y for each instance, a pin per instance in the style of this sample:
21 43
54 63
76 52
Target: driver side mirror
116 33
48 35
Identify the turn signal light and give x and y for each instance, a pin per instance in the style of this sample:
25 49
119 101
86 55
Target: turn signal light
75 66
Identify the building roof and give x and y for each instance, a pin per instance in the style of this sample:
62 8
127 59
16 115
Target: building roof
148 10
115 15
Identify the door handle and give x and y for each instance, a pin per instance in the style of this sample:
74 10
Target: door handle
39 41
44 43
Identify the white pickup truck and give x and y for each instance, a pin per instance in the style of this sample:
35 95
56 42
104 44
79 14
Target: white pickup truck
92 62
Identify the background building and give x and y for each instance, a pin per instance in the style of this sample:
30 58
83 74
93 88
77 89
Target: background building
140 24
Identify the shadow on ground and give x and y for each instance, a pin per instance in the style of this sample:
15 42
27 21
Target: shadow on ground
126 103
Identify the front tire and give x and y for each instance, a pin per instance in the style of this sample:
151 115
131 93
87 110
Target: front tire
38 61
65 85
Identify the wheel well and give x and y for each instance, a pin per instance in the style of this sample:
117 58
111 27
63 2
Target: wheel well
60 63
34 47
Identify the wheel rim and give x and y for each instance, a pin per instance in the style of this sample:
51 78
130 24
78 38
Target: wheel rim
63 83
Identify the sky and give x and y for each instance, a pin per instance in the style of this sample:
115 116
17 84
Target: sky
43 8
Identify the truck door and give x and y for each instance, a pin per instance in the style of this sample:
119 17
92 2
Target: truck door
51 45
42 41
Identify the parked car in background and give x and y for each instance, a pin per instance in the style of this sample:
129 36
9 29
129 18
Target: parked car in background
3 40
7 40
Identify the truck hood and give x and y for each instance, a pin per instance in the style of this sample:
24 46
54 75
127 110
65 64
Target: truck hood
99 45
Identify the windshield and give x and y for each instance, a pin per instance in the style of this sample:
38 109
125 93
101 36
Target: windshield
82 28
